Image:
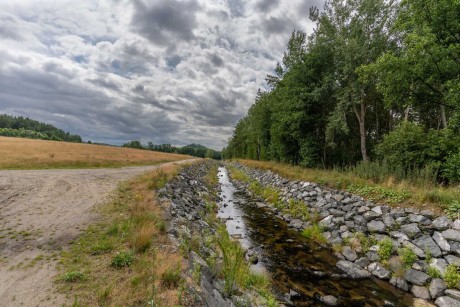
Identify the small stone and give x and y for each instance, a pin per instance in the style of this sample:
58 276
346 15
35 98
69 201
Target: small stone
419 219
329 300
411 230
296 223
455 294
326 222
378 210
420 292
418 278
388 220
420 265
399 283
418 251
338 197
442 243
418 302
372 256
349 253
399 235
437 287
451 234
376 226
428 213
371 215
446 301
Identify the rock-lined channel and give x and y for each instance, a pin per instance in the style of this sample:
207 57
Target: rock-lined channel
304 273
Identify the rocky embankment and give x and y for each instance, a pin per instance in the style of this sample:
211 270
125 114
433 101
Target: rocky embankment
193 226
423 252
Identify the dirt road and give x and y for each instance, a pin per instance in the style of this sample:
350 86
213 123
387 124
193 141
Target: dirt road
41 212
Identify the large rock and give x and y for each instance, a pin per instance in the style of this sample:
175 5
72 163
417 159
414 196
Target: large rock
420 292
441 241
442 223
427 243
417 277
419 219
388 220
455 294
379 271
326 222
411 230
399 283
349 253
452 259
451 234
439 264
456 225
418 251
446 301
376 226
352 270
437 287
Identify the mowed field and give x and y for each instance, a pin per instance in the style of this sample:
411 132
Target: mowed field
20 153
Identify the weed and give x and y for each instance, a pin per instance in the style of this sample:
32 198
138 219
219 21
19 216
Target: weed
366 241
171 278
385 249
123 259
73 276
452 276
428 255
433 272
407 256
315 233
101 247
453 210
142 237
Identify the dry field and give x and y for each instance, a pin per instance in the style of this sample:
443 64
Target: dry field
20 153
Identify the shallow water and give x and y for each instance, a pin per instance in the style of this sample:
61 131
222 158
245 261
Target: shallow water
294 262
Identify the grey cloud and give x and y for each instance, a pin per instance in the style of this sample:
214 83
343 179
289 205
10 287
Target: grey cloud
216 60
276 25
9 28
267 5
53 67
165 22
237 7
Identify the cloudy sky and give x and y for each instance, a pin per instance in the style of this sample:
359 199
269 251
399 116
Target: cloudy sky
166 71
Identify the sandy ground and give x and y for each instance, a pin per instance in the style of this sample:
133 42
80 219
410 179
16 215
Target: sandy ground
41 212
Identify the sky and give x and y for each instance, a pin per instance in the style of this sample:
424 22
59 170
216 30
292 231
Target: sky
165 71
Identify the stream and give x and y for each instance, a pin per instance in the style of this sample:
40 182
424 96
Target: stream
292 261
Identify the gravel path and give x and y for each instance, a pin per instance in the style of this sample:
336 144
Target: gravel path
41 212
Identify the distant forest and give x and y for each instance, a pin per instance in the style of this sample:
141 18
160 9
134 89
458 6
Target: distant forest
376 85
28 128
195 150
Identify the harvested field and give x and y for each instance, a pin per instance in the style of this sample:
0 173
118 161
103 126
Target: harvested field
19 153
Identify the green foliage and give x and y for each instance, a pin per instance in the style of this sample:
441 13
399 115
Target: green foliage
123 259
433 272
196 150
73 276
314 233
407 255
452 276
101 247
451 168
453 210
377 193
385 249
366 241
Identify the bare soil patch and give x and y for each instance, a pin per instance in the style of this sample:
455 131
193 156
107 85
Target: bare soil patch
41 213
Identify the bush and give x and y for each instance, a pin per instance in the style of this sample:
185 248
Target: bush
452 276
407 256
123 259
451 168
385 249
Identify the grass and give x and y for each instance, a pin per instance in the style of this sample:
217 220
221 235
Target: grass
400 193
122 256
315 233
19 153
452 276
408 257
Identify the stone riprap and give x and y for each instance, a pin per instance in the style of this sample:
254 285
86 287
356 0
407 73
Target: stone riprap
187 195
341 215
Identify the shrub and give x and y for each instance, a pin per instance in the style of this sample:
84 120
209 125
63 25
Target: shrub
453 210
407 256
73 276
451 168
385 249
123 259
433 272
452 276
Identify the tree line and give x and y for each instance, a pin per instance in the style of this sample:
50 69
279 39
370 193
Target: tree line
28 128
378 81
195 150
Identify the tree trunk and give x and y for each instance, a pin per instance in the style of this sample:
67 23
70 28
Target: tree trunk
443 117
406 114
362 128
